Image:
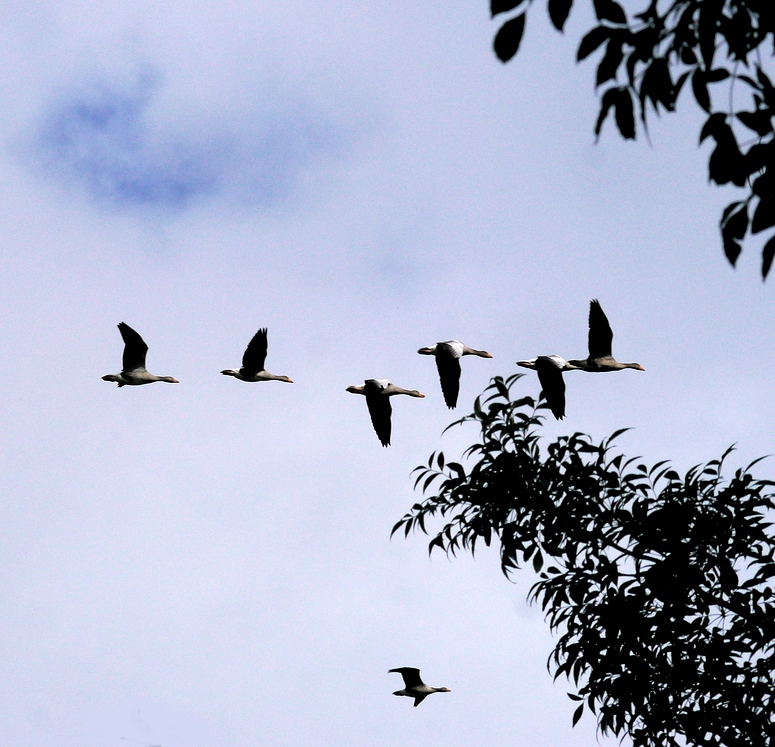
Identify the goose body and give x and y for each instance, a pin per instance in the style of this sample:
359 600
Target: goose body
600 358
133 371
378 393
448 355
414 687
253 359
549 369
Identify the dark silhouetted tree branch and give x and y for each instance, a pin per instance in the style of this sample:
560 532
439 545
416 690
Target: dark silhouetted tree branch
648 58
659 585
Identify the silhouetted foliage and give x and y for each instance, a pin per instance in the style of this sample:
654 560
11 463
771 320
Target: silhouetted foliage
650 56
658 584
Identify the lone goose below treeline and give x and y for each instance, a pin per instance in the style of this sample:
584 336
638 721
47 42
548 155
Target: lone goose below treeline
253 362
448 355
133 371
378 393
414 687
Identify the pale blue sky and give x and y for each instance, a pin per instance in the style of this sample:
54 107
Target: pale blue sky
362 179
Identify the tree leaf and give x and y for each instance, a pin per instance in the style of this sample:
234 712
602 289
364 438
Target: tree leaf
759 121
764 217
717 75
700 89
508 38
733 230
592 41
577 714
612 58
609 97
713 126
558 12
503 6
767 255
625 119
657 85
726 163
609 10
709 12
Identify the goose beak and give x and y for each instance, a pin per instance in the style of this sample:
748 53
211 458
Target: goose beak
174 381
640 368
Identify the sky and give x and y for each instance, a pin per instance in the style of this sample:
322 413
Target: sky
210 563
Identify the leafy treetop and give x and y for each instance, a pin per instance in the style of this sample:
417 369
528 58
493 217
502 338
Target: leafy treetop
649 57
658 584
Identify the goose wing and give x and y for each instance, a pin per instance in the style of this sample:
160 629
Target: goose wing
552 384
411 677
135 349
255 353
419 698
380 411
448 365
600 334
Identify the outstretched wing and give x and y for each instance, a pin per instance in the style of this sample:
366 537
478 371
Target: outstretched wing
448 364
552 385
411 677
600 334
419 699
380 411
255 353
134 349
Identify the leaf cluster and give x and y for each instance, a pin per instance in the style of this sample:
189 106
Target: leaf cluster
648 57
659 585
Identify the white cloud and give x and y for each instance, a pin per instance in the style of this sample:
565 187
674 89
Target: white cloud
103 139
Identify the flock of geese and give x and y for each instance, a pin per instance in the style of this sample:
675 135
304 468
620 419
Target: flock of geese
379 391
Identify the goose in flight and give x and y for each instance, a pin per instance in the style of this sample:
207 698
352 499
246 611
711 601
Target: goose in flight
253 362
378 393
600 358
414 687
448 355
549 369
133 372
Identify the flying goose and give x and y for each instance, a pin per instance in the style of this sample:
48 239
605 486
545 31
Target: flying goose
134 372
414 687
549 369
448 355
378 393
253 362
600 358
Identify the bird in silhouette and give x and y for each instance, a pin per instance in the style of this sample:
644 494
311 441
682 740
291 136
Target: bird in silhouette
133 372
600 359
414 687
549 369
253 362
448 355
378 393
